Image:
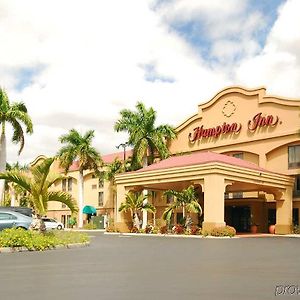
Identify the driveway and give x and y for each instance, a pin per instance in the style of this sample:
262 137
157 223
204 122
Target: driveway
116 267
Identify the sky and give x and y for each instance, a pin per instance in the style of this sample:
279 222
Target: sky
78 63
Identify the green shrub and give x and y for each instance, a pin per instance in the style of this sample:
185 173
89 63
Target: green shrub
223 231
193 230
148 229
112 228
134 229
155 230
32 240
163 229
89 226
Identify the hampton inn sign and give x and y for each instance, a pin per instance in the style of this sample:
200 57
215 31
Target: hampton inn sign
259 120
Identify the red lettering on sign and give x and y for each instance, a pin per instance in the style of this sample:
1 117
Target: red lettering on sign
200 132
261 121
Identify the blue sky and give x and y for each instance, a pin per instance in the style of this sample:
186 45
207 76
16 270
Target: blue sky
78 68
193 30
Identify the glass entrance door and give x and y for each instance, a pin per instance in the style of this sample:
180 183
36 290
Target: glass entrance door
238 217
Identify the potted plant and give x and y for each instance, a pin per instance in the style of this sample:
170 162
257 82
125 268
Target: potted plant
253 227
272 228
72 222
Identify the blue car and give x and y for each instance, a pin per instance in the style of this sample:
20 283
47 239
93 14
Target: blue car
9 219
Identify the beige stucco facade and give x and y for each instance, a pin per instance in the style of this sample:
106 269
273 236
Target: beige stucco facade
247 124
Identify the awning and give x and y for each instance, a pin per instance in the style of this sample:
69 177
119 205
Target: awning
89 210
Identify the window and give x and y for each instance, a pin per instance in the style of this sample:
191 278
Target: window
294 156
67 184
5 216
296 191
70 181
237 195
64 184
101 181
100 199
46 219
94 186
296 216
239 155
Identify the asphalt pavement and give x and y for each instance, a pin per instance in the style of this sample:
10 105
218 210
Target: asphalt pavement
142 268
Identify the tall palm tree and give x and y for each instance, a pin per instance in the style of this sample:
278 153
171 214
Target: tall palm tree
135 203
16 115
185 199
146 139
78 148
38 187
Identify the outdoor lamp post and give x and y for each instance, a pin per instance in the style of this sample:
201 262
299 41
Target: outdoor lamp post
123 145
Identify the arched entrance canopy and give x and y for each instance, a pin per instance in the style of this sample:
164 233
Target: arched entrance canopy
213 172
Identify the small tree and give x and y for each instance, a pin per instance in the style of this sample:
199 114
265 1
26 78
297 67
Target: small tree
135 203
38 187
186 199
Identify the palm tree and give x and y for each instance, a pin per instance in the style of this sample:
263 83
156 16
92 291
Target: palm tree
135 203
112 169
186 199
15 190
16 115
38 187
78 147
144 137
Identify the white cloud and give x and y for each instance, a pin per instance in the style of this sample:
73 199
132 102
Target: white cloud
277 65
93 59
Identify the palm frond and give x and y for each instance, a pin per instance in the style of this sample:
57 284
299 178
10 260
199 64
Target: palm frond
17 177
63 197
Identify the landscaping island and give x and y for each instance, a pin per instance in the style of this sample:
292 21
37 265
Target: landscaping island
18 239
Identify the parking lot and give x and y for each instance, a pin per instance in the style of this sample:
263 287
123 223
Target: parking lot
120 267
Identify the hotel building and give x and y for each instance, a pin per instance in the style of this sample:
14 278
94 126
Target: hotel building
241 152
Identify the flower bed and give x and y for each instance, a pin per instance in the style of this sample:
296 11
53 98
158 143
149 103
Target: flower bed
31 240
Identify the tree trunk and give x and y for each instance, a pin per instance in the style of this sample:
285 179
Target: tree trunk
145 192
2 163
80 199
136 220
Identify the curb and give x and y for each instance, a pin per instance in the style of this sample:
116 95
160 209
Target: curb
169 235
203 237
58 247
